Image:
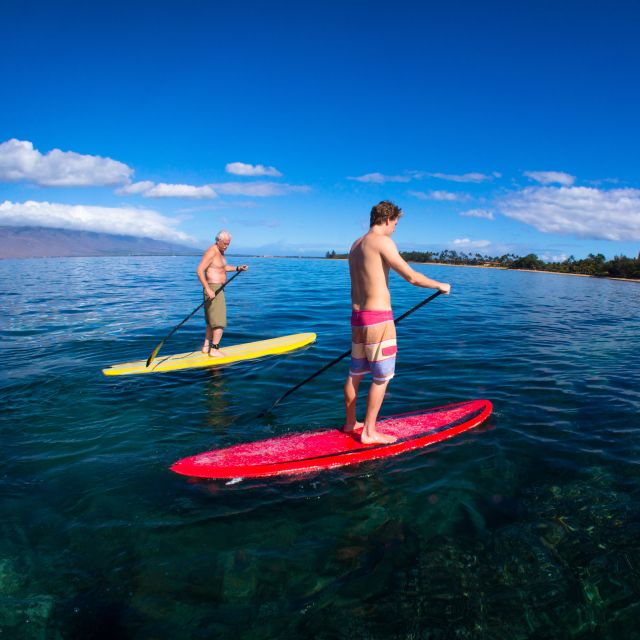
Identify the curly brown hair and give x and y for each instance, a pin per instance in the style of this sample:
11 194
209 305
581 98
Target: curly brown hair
384 210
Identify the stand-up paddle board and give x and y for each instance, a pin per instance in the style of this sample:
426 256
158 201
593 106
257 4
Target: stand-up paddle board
197 359
318 450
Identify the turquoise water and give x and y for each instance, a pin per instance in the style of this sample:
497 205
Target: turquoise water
528 527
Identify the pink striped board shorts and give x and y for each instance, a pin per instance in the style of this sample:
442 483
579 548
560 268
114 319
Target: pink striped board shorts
373 344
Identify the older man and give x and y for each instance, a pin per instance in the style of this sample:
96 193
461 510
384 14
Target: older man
212 273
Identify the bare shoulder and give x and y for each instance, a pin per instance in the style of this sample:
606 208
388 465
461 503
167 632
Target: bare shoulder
208 256
385 243
357 243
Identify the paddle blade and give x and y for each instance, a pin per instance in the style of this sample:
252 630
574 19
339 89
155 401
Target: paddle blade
154 353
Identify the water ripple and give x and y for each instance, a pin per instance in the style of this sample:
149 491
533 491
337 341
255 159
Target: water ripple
515 529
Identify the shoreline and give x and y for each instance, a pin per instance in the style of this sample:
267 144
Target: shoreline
438 264
557 273
482 266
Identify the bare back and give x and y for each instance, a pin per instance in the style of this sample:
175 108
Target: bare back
369 273
370 259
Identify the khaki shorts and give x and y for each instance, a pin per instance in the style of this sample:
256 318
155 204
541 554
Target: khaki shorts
215 311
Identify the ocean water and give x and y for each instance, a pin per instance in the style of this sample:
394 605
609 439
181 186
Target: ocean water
527 527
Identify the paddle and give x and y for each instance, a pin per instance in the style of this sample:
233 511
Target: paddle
154 353
340 357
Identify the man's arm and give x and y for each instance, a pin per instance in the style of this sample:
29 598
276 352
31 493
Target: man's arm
207 258
242 267
391 255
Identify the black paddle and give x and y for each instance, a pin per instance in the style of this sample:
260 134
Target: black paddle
154 353
340 357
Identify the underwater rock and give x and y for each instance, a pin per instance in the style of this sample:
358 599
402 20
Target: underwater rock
11 580
26 618
240 579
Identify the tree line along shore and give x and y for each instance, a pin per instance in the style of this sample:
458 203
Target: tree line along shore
593 265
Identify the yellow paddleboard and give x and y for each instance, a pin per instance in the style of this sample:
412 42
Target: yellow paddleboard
196 359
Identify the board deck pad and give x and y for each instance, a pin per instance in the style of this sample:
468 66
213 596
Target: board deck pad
197 359
317 450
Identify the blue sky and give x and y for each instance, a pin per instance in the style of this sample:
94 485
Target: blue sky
496 126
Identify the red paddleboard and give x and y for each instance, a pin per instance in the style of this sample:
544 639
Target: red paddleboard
317 450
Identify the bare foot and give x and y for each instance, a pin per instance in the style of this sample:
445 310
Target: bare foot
376 438
205 347
356 426
216 353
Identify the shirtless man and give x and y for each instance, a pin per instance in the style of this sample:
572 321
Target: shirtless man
373 332
212 273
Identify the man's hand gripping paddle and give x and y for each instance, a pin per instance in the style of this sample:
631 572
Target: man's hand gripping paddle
340 357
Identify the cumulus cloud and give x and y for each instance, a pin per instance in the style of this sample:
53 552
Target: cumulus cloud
258 189
20 162
551 177
379 178
477 213
164 190
137 188
582 211
467 243
148 189
144 223
243 169
553 257
465 177
441 196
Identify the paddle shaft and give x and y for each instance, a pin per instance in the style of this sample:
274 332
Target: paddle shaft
154 353
344 355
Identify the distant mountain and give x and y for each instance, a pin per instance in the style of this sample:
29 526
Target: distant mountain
42 242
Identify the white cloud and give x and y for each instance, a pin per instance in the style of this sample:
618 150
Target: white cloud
551 177
258 189
148 189
579 211
137 188
164 190
116 220
467 243
242 169
379 178
553 257
477 213
20 162
465 177
442 196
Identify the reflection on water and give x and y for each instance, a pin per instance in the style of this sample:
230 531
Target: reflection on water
526 527
217 402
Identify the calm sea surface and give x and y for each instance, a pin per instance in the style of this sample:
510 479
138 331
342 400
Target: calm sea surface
527 527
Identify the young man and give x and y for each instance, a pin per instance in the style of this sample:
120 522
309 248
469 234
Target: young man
212 273
373 332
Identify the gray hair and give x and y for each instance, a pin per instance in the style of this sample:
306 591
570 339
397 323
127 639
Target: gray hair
223 234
